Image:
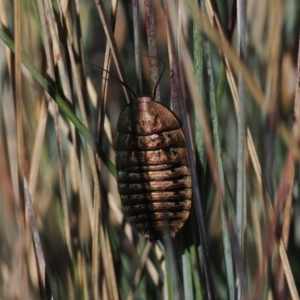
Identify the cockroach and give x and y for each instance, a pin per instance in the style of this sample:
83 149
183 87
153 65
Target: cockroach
153 175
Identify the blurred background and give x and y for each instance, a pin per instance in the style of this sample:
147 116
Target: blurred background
63 234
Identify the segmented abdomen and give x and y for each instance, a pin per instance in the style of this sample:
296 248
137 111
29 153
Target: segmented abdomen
153 175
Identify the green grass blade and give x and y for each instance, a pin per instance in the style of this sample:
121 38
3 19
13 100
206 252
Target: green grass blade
218 151
61 104
198 67
187 275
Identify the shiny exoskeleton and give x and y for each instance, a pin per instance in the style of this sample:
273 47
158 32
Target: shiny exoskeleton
153 176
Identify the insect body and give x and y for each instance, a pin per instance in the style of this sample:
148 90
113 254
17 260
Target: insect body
153 176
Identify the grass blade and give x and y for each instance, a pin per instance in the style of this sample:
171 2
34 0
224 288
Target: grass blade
47 86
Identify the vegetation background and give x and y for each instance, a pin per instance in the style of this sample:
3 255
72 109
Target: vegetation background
232 77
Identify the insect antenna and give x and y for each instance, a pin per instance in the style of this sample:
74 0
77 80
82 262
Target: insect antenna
114 76
162 73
